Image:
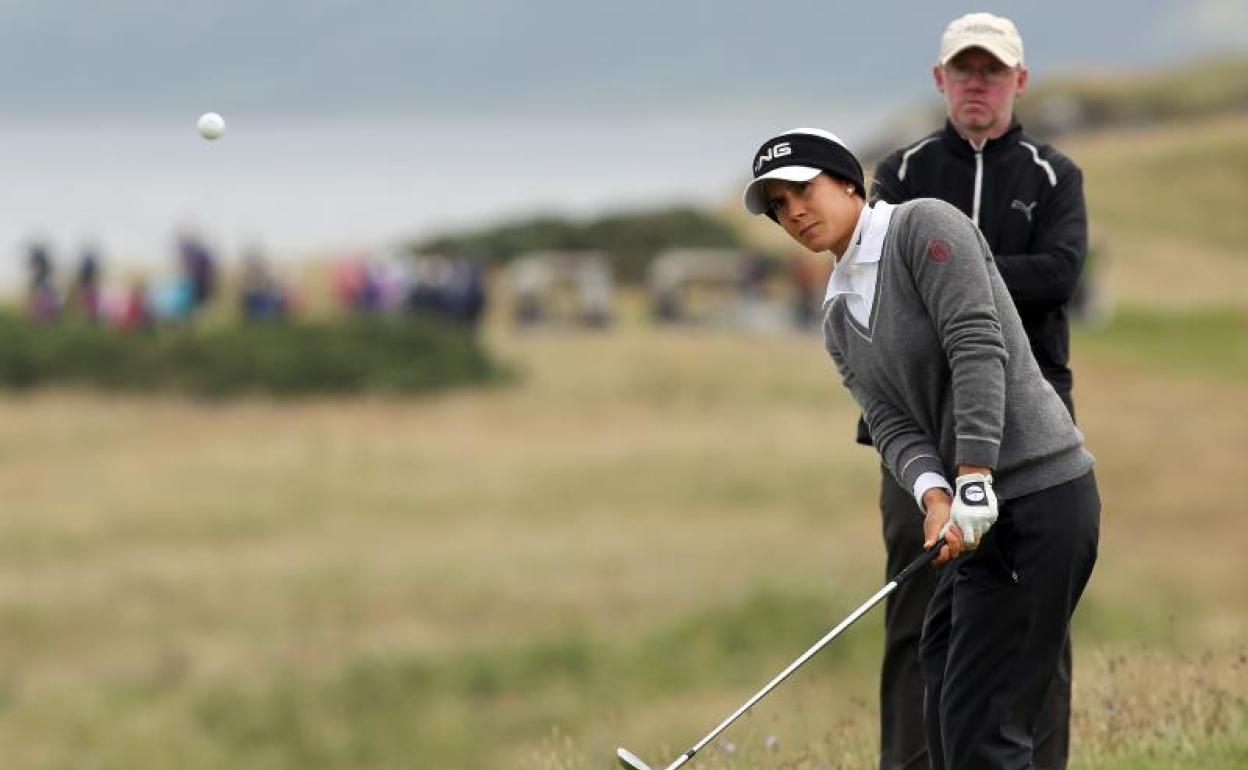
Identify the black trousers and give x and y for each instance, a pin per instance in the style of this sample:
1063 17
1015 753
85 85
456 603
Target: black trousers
903 739
997 625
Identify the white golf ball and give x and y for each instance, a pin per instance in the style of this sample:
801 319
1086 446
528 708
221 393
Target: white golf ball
211 126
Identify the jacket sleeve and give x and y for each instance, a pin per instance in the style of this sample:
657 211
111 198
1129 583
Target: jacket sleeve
1046 276
904 449
950 263
886 184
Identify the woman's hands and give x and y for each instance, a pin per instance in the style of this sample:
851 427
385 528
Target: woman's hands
936 502
974 512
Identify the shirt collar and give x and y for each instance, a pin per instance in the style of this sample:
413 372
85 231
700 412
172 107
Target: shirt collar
855 240
866 246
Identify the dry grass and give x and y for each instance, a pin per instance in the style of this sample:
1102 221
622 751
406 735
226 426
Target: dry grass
157 550
1165 204
1132 708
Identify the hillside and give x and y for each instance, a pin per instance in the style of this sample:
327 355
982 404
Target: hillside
1061 104
1089 101
1167 204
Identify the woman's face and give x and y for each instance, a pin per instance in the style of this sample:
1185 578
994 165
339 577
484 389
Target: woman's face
820 214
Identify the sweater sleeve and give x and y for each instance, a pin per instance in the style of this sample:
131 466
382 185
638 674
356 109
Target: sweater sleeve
1046 276
904 449
949 262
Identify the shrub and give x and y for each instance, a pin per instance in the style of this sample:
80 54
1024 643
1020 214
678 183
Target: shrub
388 355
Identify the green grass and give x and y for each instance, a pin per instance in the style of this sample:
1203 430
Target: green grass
1221 753
1196 344
441 707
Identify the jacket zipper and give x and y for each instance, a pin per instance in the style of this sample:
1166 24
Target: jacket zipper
979 185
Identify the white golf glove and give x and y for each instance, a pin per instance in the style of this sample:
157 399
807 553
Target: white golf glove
974 508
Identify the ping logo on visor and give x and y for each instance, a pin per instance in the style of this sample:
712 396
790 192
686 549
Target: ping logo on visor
777 150
800 155
812 151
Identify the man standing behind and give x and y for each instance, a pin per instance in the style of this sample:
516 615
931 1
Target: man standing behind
1027 200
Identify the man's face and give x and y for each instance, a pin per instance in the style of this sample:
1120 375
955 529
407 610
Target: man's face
979 92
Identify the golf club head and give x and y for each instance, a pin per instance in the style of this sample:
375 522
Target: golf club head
629 760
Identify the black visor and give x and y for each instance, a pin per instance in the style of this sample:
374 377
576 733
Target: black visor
800 156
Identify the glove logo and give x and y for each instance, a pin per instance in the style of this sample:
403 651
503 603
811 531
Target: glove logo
973 494
939 250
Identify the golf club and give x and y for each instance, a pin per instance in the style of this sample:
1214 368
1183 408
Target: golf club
629 760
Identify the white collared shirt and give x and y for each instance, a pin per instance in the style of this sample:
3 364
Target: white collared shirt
854 278
855 272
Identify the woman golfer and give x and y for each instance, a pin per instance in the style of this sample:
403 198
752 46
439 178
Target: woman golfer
926 338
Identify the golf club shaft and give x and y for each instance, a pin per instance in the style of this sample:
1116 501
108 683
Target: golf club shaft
923 560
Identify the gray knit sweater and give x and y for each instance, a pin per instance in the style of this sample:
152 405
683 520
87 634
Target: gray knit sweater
944 373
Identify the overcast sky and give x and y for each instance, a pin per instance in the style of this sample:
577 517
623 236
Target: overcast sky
354 123
483 58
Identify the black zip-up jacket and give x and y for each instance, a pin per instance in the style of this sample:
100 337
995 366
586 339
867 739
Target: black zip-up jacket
1027 199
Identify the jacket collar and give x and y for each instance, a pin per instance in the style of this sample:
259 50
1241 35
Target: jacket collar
963 147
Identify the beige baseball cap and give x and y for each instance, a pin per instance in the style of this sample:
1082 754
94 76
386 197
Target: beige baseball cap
995 34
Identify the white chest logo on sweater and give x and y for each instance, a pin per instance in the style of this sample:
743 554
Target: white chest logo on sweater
1026 208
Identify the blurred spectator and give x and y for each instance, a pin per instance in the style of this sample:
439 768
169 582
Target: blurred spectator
461 293
392 278
172 300
427 294
199 266
469 295
755 270
446 289
85 295
261 297
43 304
808 277
356 286
345 281
135 313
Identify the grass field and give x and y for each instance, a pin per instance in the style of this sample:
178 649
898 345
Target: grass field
618 549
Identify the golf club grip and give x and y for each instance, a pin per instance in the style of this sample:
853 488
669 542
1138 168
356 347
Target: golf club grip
919 563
